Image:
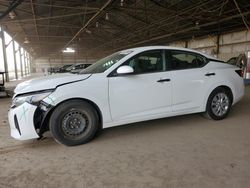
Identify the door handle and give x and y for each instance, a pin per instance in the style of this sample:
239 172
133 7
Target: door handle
210 74
164 80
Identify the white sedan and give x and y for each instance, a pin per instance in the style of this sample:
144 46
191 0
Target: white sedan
128 86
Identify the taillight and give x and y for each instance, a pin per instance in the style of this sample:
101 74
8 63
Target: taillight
239 72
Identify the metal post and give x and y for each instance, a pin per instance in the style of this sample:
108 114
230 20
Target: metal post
62 59
29 67
21 62
29 58
218 45
14 53
27 62
25 65
5 56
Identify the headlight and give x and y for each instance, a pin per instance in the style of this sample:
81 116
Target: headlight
32 98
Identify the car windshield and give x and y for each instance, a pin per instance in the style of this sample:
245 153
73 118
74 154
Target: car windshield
105 63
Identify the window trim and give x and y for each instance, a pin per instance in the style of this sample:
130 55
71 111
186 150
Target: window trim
168 54
112 73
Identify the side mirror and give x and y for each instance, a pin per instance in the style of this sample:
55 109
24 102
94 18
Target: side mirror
125 69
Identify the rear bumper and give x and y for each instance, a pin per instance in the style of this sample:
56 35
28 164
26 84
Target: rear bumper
21 120
239 92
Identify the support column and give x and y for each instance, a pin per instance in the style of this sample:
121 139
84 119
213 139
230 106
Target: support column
218 45
14 53
21 62
5 56
30 67
25 65
29 60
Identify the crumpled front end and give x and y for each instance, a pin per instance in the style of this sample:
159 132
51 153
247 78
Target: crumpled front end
21 121
28 115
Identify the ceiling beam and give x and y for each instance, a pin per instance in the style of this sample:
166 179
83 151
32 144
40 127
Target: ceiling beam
90 21
34 18
56 6
181 31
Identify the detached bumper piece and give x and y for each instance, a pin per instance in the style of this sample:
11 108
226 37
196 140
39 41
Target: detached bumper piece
21 120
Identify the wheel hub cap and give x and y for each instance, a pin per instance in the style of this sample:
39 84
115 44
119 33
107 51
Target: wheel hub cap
74 123
220 104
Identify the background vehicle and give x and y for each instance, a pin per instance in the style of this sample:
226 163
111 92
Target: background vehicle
77 67
129 86
63 68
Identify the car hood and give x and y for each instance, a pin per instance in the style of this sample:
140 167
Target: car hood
49 82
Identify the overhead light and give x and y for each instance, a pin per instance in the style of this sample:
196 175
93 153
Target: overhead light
69 50
12 15
107 16
122 1
197 23
88 31
26 40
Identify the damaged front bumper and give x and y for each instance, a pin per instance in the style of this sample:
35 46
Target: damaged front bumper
29 121
21 121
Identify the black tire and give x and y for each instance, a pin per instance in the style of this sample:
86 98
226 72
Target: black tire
74 122
210 108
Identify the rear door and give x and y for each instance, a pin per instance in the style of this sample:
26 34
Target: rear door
189 79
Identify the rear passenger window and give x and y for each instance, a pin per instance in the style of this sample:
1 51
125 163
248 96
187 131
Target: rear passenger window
185 60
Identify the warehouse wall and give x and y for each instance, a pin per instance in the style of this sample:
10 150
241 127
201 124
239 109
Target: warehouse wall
230 45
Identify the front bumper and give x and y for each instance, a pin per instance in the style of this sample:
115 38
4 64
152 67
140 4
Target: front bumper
21 120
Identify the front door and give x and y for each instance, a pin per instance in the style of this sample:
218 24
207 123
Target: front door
144 94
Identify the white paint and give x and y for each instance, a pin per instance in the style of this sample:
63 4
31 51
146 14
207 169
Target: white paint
133 98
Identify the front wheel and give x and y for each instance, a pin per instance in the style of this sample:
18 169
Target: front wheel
74 122
219 104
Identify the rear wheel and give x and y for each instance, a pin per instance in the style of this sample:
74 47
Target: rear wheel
74 122
219 104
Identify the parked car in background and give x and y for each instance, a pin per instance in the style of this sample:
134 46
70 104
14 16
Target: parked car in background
241 62
128 86
77 67
52 70
63 68
232 61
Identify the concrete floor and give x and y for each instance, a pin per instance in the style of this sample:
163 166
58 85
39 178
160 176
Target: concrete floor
186 151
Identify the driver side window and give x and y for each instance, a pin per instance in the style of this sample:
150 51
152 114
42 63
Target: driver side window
146 62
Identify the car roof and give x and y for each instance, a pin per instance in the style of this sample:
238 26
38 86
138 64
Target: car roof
140 49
